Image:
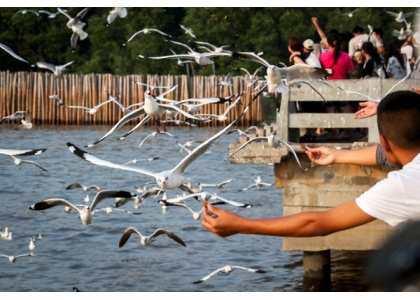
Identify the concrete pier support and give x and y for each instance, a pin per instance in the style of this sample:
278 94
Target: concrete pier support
317 271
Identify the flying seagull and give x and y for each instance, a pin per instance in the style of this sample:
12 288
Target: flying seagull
227 270
188 31
24 11
76 25
12 258
86 212
147 240
350 14
146 31
78 185
16 116
10 51
57 70
116 12
92 110
56 98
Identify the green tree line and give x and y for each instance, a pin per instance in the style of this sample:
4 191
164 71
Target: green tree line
267 30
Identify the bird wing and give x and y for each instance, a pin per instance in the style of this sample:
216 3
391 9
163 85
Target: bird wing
64 13
234 203
146 138
303 72
171 107
97 161
48 203
132 37
175 56
75 186
33 163
247 188
45 65
21 152
255 139
145 119
82 13
67 64
10 51
186 46
170 234
204 43
208 276
248 269
357 93
395 85
251 56
126 235
128 117
28 117
160 32
392 14
110 194
291 149
103 103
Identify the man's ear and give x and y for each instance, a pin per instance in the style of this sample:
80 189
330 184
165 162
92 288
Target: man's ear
385 143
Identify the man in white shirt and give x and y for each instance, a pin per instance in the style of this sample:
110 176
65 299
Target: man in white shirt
393 200
360 36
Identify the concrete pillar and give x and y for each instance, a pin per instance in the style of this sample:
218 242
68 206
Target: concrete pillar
317 271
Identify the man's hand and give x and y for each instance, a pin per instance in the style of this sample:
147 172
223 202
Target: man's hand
368 110
220 222
315 21
322 155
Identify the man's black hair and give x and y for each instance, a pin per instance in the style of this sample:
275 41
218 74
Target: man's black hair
399 119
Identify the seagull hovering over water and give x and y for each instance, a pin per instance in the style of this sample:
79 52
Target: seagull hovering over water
155 134
116 12
57 70
134 161
16 116
227 270
86 212
10 51
216 185
12 258
123 108
146 31
258 183
18 161
223 117
147 240
27 122
56 98
78 185
215 49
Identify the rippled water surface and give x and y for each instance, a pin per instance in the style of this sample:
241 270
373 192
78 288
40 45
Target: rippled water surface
88 257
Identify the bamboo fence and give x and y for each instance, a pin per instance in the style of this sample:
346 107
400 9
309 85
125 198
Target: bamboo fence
29 91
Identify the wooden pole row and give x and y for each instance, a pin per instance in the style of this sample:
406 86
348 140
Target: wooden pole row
31 91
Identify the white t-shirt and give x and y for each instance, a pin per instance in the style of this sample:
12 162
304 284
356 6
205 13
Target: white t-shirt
395 199
313 60
362 37
407 52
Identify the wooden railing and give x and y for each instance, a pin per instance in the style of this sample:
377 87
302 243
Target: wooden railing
30 91
289 121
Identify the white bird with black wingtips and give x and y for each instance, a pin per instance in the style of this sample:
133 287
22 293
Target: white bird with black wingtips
12 258
57 70
227 270
147 240
86 212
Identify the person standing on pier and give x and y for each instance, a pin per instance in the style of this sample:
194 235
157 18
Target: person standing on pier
393 200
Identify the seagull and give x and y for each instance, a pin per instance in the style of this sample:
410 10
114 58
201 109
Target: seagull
116 12
10 51
18 161
147 240
401 34
32 244
92 110
400 17
196 215
215 49
203 59
5 233
254 75
50 14
8 237
223 117
77 185
16 116
138 200
151 108
12 259
228 80
350 14
205 197
272 141
109 210
301 73
24 11
227 270
216 185
258 183
125 110
182 62
27 122
188 31
57 70
85 213
146 31
55 97
242 133
134 161
76 26
11 152
155 134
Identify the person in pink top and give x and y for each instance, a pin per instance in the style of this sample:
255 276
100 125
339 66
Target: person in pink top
341 64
